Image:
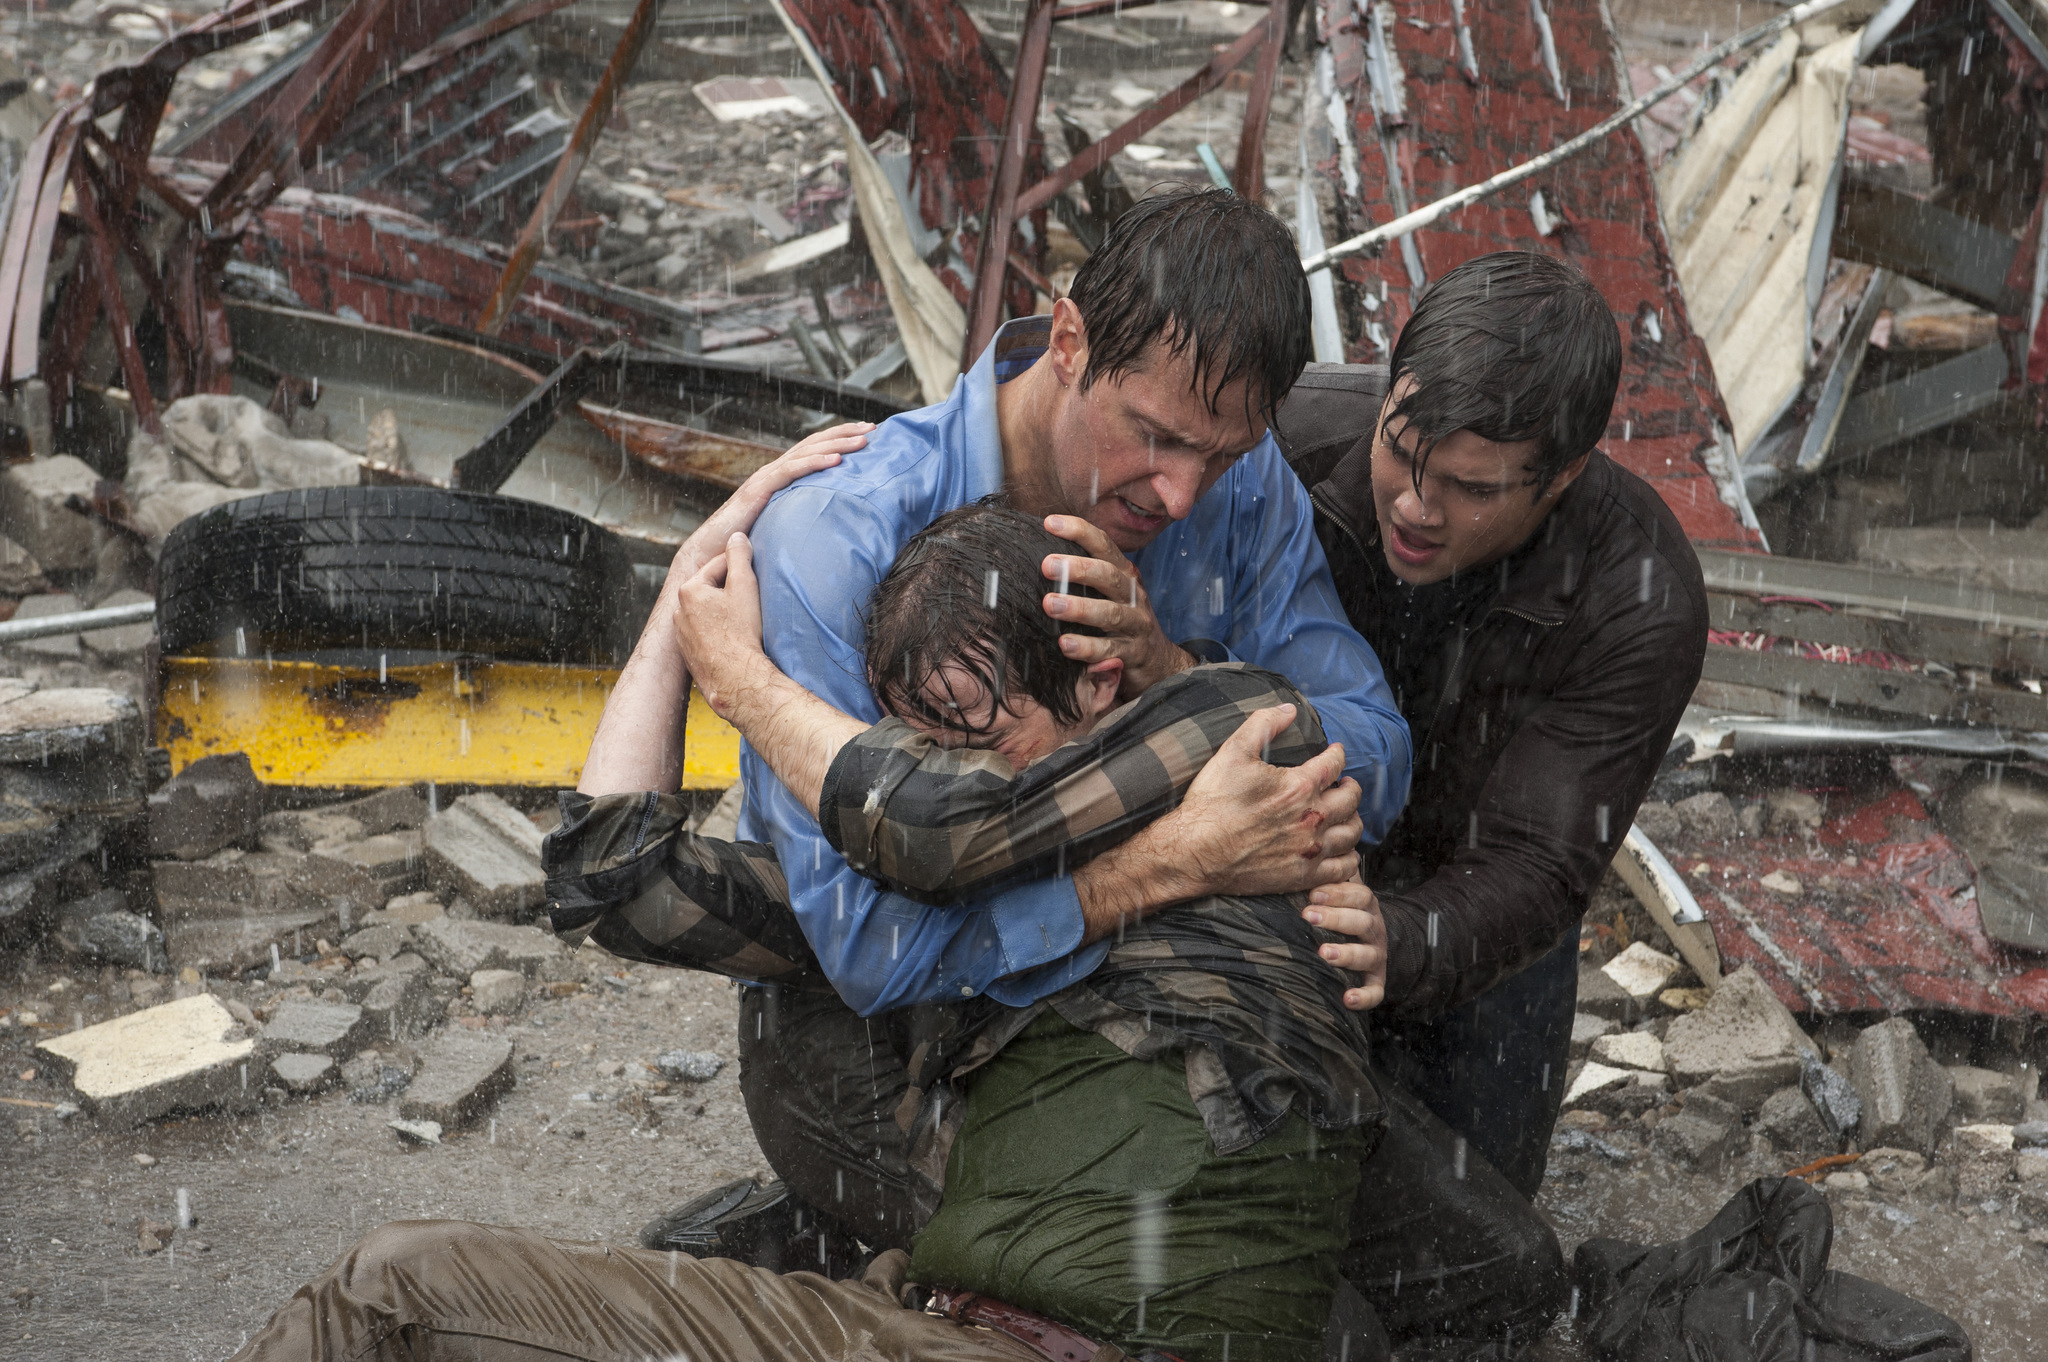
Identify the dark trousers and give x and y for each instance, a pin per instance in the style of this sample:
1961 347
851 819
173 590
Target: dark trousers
1494 1069
1442 1244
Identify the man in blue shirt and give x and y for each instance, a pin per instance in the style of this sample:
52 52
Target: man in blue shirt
1142 435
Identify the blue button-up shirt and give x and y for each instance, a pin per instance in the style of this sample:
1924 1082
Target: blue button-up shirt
1244 570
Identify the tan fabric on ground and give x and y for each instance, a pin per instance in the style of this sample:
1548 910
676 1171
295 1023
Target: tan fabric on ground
438 1290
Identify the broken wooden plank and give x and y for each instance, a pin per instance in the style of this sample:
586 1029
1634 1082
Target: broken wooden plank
1895 231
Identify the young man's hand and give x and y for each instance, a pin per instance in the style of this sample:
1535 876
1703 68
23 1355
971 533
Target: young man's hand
1350 909
1130 630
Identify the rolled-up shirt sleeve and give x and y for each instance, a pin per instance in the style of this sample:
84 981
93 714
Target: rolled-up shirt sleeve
823 552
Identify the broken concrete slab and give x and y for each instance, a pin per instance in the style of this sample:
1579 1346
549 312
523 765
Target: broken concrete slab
416 1132
1985 1095
1586 1029
1709 816
35 511
459 948
1743 1024
1694 1140
182 1055
1641 972
1600 996
1981 1158
461 1074
304 1072
381 942
212 804
401 1003
487 852
70 749
310 1026
301 830
30 893
20 573
1747 1088
100 927
1591 1079
1791 1122
1630 1050
1832 1095
229 945
367 873
233 882
1906 1096
497 992
398 809
407 910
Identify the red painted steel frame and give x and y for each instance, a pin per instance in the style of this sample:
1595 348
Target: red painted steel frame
1007 203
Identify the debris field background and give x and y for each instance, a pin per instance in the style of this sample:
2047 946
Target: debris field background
592 1137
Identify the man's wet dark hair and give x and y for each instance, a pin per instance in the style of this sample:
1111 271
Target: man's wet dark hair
1511 346
967 591
1213 275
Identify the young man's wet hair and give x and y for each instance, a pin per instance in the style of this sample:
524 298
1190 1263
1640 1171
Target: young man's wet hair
1511 346
960 617
1213 276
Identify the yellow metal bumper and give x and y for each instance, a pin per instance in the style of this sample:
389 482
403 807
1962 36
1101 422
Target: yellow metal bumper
457 723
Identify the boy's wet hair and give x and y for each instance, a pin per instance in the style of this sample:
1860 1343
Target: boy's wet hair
1212 276
967 591
1511 346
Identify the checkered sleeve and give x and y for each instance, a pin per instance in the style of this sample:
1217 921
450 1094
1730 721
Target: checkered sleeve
626 872
938 824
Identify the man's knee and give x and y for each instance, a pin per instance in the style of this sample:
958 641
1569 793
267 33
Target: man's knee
379 1264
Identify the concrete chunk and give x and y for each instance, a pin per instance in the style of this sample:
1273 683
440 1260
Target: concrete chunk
399 809
102 928
35 511
1832 1095
497 992
460 948
1981 1158
1695 1140
1631 1050
1641 972
72 749
381 942
304 1073
1791 1122
1600 996
1906 1096
212 804
1743 1024
1592 1078
182 1055
461 1074
1586 1029
368 873
484 850
1709 816
310 1026
1747 1088
1985 1095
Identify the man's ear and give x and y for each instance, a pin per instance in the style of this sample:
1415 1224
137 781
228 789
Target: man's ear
1567 475
1068 344
1099 685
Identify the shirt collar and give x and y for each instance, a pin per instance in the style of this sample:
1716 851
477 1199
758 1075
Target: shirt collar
1016 347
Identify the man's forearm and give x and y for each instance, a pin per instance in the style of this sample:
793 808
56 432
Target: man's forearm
639 741
1132 881
794 731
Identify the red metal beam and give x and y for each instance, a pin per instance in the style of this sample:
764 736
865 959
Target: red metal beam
1151 116
563 182
1250 176
1090 8
101 250
984 308
502 23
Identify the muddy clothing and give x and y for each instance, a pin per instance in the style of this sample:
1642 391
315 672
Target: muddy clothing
1439 1242
1235 984
1083 1186
443 1290
1542 692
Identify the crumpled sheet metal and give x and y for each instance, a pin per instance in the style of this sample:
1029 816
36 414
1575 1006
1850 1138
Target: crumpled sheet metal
1447 131
1897 931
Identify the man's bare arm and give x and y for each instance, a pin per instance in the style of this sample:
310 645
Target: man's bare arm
639 740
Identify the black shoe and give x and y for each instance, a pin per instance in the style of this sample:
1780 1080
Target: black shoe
767 1227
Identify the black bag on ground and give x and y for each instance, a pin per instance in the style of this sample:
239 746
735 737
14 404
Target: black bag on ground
1753 1286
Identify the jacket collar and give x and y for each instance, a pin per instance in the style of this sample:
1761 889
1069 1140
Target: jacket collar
1540 580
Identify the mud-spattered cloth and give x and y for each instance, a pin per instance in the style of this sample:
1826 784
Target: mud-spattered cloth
1752 1286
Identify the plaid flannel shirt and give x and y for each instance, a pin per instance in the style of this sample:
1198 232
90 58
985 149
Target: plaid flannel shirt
1234 984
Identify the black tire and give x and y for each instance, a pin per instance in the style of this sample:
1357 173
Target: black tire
398 568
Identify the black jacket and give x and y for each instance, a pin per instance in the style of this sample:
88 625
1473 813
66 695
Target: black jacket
1541 692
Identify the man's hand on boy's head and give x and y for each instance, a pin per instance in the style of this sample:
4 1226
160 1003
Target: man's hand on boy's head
1350 909
1130 631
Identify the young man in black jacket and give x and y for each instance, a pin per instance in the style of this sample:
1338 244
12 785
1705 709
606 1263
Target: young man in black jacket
1542 621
